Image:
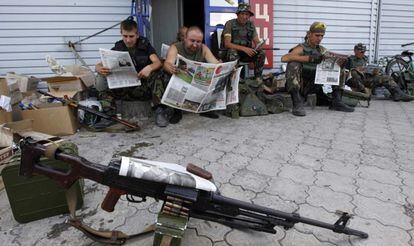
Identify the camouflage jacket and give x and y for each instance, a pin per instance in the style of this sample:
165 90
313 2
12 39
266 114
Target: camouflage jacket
240 34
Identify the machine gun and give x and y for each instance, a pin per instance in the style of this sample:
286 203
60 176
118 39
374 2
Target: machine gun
198 196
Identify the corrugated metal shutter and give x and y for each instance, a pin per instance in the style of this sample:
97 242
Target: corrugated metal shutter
397 26
31 29
348 22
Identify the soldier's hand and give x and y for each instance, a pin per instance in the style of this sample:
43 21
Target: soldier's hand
341 62
249 51
145 72
170 68
375 72
315 58
103 70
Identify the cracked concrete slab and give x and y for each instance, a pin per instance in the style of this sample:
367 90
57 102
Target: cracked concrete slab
361 163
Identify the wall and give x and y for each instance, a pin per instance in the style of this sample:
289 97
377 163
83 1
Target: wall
397 26
348 22
31 29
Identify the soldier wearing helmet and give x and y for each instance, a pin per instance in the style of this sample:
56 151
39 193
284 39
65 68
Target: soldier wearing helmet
362 81
301 70
240 38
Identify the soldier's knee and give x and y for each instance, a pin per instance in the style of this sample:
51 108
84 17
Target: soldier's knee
293 66
294 69
101 83
232 55
261 54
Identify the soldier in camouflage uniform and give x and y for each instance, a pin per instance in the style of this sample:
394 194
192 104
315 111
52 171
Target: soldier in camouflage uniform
147 64
192 48
301 68
361 80
240 38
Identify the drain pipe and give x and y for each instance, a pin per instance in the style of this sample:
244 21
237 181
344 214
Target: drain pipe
378 30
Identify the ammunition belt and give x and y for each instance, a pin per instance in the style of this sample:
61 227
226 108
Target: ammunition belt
176 207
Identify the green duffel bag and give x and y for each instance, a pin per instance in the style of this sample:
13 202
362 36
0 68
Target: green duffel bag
250 104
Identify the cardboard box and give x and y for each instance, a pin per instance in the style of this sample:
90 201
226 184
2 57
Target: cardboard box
5 116
54 120
4 89
24 83
12 82
14 93
82 79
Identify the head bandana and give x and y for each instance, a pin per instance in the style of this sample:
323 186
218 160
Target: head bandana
318 27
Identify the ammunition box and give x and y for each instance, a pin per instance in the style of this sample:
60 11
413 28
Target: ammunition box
37 197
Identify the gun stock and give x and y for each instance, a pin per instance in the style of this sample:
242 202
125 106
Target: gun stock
202 204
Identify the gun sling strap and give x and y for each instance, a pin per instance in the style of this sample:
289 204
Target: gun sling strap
106 237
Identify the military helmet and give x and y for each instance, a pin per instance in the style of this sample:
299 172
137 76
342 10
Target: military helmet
360 46
244 7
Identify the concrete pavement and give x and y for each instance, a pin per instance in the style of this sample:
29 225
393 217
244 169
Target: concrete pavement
361 162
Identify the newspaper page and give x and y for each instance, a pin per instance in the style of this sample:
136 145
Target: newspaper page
201 87
328 71
164 50
123 73
163 172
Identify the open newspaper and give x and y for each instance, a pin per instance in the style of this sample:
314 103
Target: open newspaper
163 172
328 71
201 87
123 73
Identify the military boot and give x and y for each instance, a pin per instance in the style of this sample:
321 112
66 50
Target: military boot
160 116
337 103
398 95
297 108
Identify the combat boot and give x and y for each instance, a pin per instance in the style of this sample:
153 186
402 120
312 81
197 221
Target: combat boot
160 117
337 103
398 95
297 108
210 114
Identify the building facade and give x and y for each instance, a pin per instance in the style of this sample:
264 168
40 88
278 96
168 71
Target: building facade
30 30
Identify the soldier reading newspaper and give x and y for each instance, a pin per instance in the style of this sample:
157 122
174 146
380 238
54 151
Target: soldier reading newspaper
329 70
123 73
201 87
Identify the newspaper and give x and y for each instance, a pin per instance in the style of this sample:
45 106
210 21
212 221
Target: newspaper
164 50
201 87
328 71
162 172
123 73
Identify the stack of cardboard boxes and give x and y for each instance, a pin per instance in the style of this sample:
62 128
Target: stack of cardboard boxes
51 118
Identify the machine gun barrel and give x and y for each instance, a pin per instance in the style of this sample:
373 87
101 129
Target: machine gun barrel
287 220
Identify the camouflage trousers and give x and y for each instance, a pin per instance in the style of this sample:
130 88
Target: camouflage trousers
360 81
258 60
151 88
304 82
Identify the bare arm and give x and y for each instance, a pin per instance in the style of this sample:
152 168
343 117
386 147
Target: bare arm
169 63
210 58
295 55
147 70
